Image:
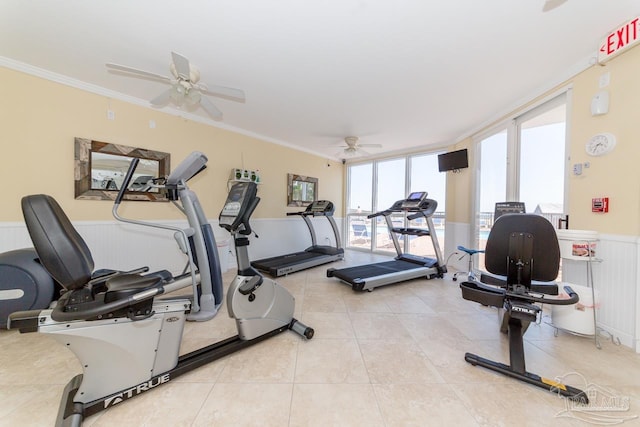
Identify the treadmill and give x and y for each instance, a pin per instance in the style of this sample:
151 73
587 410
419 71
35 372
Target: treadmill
312 256
404 266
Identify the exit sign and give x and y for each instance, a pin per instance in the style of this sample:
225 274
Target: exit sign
619 40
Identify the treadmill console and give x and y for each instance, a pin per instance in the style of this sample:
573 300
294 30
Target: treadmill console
320 207
414 200
240 204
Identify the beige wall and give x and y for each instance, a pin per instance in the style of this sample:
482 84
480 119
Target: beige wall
39 120
616 175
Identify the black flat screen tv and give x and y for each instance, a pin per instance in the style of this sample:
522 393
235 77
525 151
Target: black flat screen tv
453 160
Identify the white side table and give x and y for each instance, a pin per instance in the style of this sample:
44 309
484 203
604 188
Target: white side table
579 245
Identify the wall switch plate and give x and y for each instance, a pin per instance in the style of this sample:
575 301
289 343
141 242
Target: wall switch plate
604 80
111 115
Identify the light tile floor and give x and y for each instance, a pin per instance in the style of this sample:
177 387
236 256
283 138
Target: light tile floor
391 357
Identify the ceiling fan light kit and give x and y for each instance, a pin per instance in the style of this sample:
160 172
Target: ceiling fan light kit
185 87
353 147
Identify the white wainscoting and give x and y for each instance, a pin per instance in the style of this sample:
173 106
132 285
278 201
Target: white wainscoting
616 281
125 246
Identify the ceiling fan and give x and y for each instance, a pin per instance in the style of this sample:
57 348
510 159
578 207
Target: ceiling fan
353 147
186 88
552 4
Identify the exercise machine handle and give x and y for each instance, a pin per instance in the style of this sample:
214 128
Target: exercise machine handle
415 215
386 212
127 179
573 297
59 315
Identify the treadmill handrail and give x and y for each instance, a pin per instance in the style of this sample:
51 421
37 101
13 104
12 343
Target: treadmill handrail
416 215
385 212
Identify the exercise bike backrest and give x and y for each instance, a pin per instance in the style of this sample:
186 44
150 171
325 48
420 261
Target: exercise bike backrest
61 250
521 248
519 239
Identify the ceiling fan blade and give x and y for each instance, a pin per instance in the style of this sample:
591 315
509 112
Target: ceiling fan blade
182 65
162 99
126 69
362 152
224 92
552 4
208 106
371 145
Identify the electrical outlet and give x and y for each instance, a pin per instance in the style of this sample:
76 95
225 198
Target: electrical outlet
577 169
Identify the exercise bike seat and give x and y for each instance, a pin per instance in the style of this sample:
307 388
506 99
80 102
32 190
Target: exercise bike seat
67 258
548 288
125 285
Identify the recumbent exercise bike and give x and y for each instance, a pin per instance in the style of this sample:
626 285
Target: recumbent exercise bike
126 337
521 248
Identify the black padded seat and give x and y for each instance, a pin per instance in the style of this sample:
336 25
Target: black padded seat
61 249
125 285
544 247
67 258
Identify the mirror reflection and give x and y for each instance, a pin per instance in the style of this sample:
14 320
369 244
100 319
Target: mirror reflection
108 172
302 190
100 168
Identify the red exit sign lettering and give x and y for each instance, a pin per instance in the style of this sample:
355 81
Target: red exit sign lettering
619 40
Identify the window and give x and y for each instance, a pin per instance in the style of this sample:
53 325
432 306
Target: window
390 187
523 160
375 186
426 177
360 204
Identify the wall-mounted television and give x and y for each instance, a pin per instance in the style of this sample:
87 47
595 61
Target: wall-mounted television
453 160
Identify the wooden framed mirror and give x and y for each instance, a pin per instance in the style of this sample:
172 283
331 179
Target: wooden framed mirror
100 168
301 190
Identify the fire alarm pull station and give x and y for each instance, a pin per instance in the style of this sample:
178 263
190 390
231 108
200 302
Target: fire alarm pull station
600 205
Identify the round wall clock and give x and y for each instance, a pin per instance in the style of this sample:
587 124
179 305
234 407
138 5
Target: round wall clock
600 144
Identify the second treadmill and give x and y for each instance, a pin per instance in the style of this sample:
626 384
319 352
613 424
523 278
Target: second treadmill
404 266
315 254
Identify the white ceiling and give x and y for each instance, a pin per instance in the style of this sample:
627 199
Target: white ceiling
406 74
